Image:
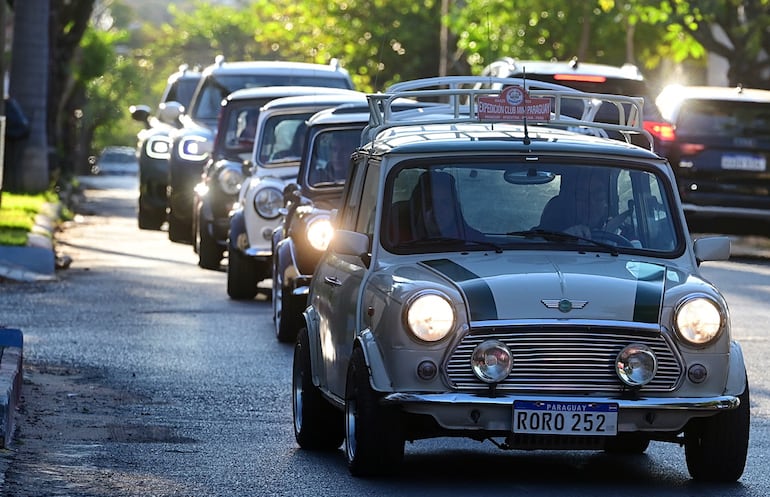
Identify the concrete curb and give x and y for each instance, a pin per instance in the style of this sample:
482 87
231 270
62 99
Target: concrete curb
11 379
36 261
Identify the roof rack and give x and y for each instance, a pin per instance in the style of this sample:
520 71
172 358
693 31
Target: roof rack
462 95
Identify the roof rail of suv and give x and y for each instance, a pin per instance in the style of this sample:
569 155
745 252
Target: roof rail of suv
462 105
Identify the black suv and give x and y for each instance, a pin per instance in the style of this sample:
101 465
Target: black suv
589 78
192 143
719 146
154 144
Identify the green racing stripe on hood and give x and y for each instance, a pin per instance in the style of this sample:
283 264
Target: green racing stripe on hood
481 301
650 282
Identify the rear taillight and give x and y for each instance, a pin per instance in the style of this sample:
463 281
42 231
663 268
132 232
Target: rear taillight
660 130
584 78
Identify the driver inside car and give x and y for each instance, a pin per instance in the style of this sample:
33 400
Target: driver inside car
581 207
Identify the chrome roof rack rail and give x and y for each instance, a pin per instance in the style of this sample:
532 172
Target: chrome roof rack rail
461 94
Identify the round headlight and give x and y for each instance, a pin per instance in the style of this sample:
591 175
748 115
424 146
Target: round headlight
230 180
492 361
636 365
698 320
319 232
430 317
268 203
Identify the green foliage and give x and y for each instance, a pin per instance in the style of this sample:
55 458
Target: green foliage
17 216
385 41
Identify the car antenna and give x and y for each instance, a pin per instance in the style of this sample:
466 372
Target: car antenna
527 141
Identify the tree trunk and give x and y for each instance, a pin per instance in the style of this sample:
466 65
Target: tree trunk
29 86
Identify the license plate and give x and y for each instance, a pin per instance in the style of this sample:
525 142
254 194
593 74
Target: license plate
743 162
565 418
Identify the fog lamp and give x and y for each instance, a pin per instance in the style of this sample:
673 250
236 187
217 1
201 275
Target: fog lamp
636 365
492 361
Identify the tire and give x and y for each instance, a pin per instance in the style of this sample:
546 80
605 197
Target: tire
178 231
716 447
150 219
287 309
627 443
209 251
374 439
318 425
242 274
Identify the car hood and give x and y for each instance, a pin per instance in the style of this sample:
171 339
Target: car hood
553 286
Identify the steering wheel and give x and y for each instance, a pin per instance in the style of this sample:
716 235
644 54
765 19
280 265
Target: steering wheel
610 238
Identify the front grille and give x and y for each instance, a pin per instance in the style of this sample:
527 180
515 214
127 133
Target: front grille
578 359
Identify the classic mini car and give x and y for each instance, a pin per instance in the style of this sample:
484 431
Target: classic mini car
516 281
719 147
275 159
192 143
154 144
228 166
305 230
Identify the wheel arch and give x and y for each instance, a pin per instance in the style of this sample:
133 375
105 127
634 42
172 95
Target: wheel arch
378 373
736 375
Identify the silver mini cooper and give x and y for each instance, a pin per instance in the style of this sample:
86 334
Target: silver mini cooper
502 272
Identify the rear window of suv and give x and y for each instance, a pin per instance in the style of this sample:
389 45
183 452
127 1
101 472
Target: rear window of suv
725 118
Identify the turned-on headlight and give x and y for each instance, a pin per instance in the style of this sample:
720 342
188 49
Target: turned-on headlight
319 232
698 320
430 316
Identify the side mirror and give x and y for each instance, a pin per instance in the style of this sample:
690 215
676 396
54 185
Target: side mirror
350 243
169 112
140 113
712 248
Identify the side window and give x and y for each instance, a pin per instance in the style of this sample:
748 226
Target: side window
367 212
347 216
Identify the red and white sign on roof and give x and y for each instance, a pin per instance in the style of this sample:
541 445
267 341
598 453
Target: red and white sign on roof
514 104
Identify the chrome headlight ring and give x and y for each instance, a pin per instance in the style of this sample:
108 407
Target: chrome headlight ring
268 202
230 180
699 320
429 315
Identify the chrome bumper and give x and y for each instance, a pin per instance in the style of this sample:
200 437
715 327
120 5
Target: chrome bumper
463 412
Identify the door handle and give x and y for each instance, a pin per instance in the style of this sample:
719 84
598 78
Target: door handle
332 281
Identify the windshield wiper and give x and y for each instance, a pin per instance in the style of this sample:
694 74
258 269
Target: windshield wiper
432 240
560 236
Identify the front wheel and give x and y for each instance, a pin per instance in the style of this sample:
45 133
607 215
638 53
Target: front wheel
716 447
242 276
317 424
209 251
374 439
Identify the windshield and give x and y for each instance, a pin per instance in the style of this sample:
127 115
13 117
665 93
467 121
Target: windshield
505 205
726 119
216 88
281 139
330 156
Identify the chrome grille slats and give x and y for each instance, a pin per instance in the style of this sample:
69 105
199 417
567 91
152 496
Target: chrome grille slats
555 359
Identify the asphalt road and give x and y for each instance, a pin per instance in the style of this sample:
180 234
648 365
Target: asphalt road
143 379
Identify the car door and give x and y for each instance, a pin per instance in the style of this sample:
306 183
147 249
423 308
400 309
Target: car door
343 275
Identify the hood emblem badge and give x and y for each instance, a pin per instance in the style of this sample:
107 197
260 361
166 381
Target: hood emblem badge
564 305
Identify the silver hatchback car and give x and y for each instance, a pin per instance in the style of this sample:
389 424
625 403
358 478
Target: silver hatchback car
501 273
